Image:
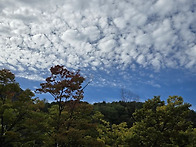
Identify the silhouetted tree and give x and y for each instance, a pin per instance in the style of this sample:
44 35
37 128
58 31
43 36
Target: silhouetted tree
128 95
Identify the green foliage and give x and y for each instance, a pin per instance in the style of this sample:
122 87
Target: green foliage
79 130
192 118
28 122
158 124
17 110
118 112
113 135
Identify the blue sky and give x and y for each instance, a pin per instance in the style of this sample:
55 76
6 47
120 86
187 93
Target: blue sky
146 47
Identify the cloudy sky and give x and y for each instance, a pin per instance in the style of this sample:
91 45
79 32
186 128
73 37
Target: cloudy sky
146 47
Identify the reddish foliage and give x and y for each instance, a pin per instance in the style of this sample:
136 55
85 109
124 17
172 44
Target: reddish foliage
63 84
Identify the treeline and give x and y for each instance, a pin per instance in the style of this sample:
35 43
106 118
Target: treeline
119 112
31 122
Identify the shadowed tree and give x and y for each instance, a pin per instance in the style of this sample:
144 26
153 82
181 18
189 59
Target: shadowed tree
17 111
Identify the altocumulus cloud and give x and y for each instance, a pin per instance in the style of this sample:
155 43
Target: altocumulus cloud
97 35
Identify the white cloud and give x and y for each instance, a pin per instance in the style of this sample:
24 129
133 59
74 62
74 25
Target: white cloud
92 33
102 35
192 57
141 59
107 45
193 51
120 23
165 6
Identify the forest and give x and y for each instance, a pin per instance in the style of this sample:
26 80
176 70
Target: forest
27 121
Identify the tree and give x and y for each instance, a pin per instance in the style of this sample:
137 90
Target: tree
160 124
16 109
118 112
63 85
127 96
113 135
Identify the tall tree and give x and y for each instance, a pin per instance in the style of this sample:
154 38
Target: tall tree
63 85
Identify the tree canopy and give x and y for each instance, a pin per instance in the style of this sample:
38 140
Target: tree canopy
68 121
16 111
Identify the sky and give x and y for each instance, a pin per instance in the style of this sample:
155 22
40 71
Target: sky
147 48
